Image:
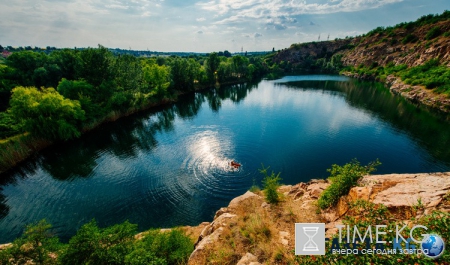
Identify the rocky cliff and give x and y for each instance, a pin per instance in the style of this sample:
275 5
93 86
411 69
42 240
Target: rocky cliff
251 231
410 44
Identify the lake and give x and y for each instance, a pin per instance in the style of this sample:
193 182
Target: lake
170 166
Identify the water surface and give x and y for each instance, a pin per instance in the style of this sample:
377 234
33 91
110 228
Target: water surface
170 166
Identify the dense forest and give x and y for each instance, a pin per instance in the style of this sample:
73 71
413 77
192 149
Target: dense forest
56 96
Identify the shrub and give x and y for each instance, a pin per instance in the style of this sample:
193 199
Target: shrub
161 248
343 178
270 185
409 38
433 33
92 245
35 244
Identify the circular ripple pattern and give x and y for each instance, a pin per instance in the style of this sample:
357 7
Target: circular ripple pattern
209 157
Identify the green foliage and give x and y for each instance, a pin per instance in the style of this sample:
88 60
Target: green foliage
156 78
46 113
121 101
35 244
24 65
68 61
409 38
254 187
102 84
378 30
172 247
184 73
93 245
212 65
76 89
96 65
431 74
271 183
433 33
8 125
343 178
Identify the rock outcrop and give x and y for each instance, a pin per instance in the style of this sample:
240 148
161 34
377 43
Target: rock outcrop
252 231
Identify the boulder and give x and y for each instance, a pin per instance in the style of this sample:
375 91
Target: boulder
247 259
238 200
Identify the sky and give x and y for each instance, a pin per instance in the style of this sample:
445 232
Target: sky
198 25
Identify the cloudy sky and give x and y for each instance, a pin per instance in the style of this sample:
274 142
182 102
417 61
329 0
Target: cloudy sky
198 25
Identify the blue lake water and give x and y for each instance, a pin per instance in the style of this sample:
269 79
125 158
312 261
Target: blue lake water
170 166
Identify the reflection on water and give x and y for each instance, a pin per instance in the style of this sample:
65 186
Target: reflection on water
171 166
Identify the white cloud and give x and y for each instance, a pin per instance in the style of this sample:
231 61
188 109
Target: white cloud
170 25
239 11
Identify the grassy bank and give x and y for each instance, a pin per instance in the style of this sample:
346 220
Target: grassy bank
17 148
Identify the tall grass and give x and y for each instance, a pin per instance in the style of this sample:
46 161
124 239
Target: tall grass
17 148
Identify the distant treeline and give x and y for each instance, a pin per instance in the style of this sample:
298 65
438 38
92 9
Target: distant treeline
56 95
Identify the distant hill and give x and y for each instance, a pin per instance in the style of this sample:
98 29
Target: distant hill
415 56
411 43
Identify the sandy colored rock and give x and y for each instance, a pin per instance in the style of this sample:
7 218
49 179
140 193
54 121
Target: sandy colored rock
247 259
407 190
315 189
203 244
220 212
236 201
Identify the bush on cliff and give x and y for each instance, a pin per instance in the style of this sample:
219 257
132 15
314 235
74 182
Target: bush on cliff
271 183
343 178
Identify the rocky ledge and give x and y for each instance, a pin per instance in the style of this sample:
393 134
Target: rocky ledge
415 94
251 231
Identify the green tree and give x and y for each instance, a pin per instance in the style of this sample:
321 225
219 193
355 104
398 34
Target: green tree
96 65
184 73
68 61
240 64
212 64
127 73
35 244
93 245
46 113
225 70
75 89
86 94
24 65
155 78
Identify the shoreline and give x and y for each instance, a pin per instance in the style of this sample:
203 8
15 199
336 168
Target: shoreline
415 94
19 148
